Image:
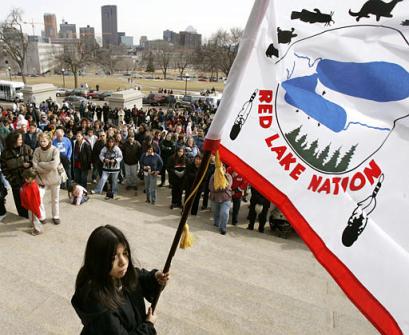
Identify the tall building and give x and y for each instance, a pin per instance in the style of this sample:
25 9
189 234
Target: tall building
190 40
68 30
171 37
87 37
127 41
109 26
50 25
143 41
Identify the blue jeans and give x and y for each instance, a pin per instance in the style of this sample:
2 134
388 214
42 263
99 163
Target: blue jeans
221 214
103 180
150 187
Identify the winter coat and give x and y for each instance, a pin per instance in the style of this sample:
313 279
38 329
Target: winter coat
153 161
85 155
12 164
129 318
167 149
31 140
96 150
131 152
45 163
191 172
30 198
177 167
112 154
220 195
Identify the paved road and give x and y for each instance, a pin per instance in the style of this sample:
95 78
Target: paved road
241 283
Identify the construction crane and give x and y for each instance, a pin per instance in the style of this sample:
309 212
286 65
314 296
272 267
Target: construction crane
32 23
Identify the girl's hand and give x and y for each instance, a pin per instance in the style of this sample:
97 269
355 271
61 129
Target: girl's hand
161 277
150 316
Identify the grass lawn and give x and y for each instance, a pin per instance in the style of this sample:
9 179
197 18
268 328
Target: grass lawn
115 82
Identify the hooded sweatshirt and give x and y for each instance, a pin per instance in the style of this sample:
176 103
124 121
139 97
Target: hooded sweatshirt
128 319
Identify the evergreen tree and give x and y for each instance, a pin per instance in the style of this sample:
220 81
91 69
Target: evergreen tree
309 154
150 67
322 156
292 135
298 144
331 165
346 159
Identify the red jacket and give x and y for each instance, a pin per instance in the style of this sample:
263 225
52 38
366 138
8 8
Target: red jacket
30 198
239 185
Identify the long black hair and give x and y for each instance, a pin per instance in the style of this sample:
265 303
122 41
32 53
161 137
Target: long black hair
11 139
99 253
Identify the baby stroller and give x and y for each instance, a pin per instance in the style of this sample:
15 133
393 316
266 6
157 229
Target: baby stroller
279 224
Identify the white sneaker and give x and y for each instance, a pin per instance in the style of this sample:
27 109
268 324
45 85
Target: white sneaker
2 217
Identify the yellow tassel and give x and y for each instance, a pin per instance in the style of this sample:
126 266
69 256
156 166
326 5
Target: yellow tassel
220 181
186 240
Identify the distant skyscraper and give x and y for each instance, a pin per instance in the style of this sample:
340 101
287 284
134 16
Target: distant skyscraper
171 37
50 25
68 30
190 40
127 41
143 41
87 37
109 25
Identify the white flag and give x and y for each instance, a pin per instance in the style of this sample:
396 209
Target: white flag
316 114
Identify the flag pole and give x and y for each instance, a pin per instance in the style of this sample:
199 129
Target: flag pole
185 213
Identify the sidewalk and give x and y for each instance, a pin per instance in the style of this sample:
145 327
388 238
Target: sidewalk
241 283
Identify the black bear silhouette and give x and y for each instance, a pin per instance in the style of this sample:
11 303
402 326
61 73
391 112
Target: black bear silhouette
271 51
375 7
313 17
285 36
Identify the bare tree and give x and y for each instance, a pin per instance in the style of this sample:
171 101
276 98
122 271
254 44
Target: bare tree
163 58
13 40
105 57
207 59
227 44
183 58
76 57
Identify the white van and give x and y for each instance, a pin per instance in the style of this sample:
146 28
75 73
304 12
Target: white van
11 90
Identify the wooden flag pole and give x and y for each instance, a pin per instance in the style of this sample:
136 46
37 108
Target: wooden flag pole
185 213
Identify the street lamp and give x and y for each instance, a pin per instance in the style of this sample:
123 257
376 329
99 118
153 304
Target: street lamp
9 69
186 76
63 78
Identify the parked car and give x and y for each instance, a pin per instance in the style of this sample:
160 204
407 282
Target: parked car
103 95
75 101
61 92
93 94
80 92
155 99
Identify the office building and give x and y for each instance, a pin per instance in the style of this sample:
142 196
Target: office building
171 37
42 57
68 30
109 25
50 25
190 40
143 41
127 41
87 37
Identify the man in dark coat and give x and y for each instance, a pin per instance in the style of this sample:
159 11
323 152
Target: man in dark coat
82 158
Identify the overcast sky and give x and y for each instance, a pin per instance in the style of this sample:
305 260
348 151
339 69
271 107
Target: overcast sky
138 17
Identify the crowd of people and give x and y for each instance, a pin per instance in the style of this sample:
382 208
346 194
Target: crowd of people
93 149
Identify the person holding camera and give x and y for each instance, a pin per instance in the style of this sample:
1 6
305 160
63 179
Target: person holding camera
151 164
111 157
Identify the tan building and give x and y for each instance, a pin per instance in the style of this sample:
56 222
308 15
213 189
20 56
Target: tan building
50 25
42 57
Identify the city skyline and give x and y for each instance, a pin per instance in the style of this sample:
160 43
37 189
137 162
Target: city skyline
156 16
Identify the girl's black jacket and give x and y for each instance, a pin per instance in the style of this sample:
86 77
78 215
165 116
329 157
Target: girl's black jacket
129 318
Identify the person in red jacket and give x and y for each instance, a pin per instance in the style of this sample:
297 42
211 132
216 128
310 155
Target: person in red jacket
238 187
31 200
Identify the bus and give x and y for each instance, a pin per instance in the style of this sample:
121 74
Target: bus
11 90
